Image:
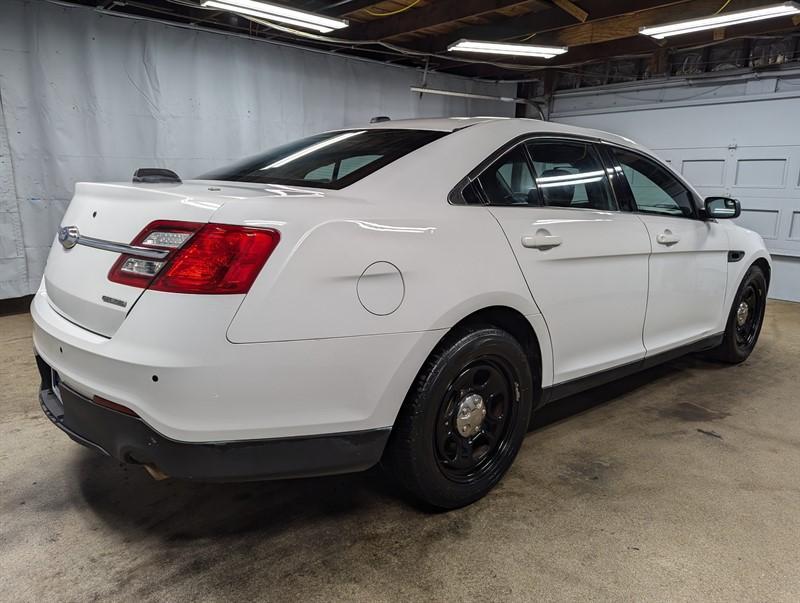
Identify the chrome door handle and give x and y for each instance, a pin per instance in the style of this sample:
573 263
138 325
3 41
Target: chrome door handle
541 240
667 238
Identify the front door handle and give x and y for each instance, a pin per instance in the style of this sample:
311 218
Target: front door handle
541 240
667 238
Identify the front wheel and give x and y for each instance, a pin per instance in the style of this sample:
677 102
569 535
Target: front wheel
745 318
464 420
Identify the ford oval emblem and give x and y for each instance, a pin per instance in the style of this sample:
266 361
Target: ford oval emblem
68 236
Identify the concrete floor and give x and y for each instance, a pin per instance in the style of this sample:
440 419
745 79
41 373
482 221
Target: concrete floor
681 483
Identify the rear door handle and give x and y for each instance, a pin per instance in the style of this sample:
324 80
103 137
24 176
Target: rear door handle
541 240
667 238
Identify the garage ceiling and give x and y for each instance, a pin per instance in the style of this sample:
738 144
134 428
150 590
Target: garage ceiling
602 35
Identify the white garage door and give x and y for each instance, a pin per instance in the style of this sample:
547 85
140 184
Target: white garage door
745 146
765 179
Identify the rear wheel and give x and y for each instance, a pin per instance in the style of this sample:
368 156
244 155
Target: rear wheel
464 420
745 319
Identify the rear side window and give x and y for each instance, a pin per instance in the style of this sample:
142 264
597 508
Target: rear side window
331 160
654 189
509 180
570 174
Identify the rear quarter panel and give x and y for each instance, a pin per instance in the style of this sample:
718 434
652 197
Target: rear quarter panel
453 261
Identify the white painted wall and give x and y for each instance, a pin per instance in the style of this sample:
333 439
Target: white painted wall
87 96
736 135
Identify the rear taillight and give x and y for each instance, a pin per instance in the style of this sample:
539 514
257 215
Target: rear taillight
164 235
218 259
203 258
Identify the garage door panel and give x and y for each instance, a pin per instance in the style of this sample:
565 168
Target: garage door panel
794 226
761 173
765 172
765 222
704 173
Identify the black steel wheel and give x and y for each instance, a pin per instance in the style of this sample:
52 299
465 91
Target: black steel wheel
464 420
474 420
745 318
749 314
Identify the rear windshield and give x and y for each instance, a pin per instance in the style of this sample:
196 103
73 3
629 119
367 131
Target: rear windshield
330 160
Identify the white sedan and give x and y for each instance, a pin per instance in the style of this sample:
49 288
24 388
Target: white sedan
406 292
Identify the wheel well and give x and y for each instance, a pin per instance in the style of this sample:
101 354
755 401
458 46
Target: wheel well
764 265
515 323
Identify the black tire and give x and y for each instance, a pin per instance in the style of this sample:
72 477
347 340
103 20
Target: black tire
743 327
427 454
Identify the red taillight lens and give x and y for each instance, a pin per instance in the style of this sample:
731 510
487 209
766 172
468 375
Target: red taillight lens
213 259
218 259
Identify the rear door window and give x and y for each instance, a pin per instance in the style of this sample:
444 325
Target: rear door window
570 174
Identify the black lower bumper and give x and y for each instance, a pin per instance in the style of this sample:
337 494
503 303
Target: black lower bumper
131 440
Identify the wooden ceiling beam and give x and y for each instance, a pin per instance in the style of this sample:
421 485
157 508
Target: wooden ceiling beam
572 9
645 45
348 7
627 26
546 20
437 13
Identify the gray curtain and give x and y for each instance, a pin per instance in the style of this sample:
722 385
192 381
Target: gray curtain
88 96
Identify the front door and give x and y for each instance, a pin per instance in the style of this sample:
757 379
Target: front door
689 262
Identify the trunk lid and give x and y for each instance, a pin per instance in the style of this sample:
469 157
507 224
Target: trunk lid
76 279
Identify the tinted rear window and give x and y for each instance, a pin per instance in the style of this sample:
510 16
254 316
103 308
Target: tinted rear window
330 160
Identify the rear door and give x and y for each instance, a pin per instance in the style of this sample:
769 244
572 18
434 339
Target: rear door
584 261
689 262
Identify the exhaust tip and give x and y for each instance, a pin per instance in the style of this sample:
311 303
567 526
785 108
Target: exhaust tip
156 473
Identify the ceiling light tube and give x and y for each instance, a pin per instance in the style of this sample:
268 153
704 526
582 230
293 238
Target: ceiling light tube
274 12
522 50
724 20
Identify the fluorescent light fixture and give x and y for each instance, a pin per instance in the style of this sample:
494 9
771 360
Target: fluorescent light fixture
281 14
311 149
724 20
518 50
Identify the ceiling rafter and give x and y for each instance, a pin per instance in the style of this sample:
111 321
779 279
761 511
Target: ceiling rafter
550 19
627 25
431 15
349 7
572 9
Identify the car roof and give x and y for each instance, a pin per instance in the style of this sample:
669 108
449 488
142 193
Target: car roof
472 142
439 124
521 125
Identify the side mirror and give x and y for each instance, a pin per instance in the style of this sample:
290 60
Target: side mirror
722 207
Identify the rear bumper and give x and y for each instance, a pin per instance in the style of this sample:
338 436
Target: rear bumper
131 440
170 363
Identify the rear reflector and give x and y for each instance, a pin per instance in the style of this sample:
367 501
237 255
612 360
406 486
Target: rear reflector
203 259
114 406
